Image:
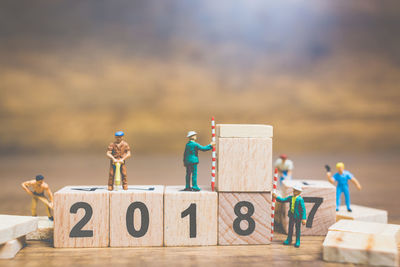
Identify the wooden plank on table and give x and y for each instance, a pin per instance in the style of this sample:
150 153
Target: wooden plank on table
14 226
9 249
361 213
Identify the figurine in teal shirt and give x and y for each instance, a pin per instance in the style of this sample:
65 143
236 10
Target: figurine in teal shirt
191 159
296 214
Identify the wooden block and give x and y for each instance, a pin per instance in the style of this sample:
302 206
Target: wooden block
391 230
136 216
361 213
320 201
362 243
13 226
81 217
9 249
244 218
44 232
190 218
244 130
244 164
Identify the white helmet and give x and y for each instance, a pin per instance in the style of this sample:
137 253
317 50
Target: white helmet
297 187
191 133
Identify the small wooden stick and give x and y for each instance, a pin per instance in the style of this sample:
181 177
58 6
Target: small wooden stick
214 156
275 183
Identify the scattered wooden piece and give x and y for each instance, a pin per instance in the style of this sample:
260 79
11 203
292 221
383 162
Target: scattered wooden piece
9 249
244 130
244 165
320 201
14 226
244 218
361 213
81 217
44 232
136 216
190 218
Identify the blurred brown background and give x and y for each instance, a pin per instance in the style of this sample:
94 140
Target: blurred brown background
325 74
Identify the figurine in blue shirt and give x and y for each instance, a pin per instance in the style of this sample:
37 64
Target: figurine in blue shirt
341 178
191 159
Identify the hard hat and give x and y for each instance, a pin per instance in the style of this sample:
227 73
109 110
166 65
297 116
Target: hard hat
119 133
297 187
340 165
191 133
283 156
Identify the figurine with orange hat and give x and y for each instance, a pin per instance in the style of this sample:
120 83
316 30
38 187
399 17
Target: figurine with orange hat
285 168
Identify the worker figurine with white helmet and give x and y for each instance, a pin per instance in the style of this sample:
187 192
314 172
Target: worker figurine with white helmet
118 151
342 177
296 214
285 168
191 159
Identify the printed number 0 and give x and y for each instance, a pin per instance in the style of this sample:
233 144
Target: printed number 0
144 219
191 211
77 231
244 217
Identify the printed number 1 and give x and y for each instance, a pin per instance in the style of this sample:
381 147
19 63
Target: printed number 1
317 202
191 211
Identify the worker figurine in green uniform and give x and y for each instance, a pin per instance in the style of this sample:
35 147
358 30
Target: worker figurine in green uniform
296 214
191 159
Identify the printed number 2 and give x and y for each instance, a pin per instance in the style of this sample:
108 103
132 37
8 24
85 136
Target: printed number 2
77 231
191 211
317 202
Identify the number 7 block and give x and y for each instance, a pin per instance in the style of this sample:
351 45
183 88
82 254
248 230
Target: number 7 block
81 217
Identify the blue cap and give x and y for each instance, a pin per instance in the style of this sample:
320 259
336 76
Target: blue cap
119 133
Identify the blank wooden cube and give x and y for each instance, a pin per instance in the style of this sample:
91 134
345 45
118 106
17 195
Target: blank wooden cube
320 201
190 218
81 217
362 243
14 226
136 216
244 130
9 249
244 218
244 164
361 213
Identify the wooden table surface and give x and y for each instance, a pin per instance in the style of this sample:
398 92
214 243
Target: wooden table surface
377 173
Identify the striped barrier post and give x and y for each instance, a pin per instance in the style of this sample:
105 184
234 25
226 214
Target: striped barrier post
275 183
214 155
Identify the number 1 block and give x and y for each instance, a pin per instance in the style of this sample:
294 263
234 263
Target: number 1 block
244 218
81 217
190 218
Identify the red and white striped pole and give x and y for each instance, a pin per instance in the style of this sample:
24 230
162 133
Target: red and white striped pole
275 184
214 154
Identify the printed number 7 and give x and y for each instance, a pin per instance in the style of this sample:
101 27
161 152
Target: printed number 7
317 202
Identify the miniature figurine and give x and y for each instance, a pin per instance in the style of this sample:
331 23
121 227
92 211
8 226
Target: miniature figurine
39 187
118 151
296 214
285 168
191 159
342 177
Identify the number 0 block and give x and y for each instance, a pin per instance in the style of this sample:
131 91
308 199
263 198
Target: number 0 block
136 216
244 218
81 217
320 201
190 218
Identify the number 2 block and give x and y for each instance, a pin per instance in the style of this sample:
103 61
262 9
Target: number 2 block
190 218
244 218
81 217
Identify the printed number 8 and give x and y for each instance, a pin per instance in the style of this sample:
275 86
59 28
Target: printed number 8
244 217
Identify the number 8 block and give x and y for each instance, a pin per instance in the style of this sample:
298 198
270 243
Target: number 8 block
81 217
244 218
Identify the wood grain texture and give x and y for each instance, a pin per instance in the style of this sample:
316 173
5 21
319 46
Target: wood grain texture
325 215
361 213
244 130
227 216
176 228
119 203
244 165
44 231
64 220
14 226
9 249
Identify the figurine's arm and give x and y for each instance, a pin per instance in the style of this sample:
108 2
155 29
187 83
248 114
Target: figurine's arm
329 174
204 148
109 154
356 183
303 210
280 199
127 155
49 193
25 187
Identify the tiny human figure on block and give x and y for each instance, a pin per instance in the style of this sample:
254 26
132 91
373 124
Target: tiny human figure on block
285 168
118 151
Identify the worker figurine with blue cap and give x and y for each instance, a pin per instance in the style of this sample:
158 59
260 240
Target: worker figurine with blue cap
191 159
118 151
296 214
342 177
